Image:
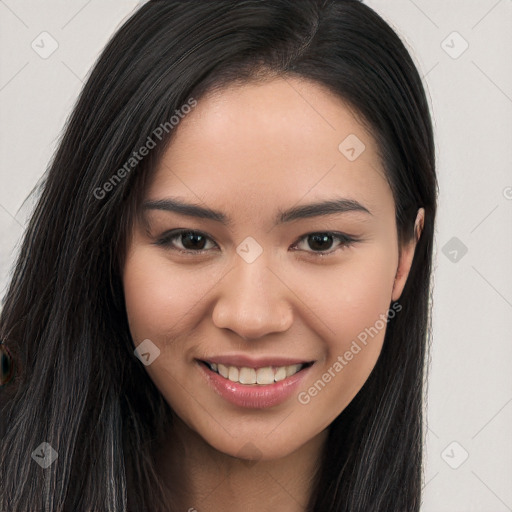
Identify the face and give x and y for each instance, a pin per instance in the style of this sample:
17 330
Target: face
260 281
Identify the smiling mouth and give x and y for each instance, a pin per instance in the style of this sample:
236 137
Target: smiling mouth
260 376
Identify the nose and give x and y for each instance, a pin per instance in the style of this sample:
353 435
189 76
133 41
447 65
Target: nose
253 301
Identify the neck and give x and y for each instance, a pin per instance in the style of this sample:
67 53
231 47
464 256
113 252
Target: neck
198 477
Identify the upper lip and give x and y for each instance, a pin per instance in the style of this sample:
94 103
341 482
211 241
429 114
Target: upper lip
242 360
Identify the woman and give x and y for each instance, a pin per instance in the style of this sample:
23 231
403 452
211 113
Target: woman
222 298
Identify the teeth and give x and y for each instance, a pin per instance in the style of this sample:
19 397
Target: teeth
292 369
223 370
233 374
263 376
247 376
280 374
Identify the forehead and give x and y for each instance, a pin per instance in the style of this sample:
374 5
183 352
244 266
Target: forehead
275 141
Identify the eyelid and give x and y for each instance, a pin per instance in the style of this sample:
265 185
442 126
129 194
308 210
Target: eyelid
346 241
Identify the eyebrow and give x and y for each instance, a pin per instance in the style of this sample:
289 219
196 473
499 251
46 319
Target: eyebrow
330 207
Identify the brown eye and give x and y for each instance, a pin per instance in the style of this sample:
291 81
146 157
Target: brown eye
323 241
319 242
192 241
187 241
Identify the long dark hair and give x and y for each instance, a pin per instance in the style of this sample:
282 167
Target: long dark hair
77 384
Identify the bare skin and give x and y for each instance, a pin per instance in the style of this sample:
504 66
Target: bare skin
251 152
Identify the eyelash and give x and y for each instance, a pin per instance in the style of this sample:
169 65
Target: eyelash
167 238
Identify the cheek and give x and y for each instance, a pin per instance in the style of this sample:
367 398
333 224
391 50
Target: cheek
349 297
160 299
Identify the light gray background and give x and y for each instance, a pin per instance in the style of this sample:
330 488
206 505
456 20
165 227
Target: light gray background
470 385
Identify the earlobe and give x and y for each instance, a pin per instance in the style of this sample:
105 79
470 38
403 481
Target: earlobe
406 257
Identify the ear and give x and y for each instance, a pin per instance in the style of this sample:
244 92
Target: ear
406 256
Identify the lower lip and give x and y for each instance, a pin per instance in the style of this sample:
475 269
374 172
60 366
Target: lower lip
255 396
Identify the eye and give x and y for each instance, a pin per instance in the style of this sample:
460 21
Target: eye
192 242
321 242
